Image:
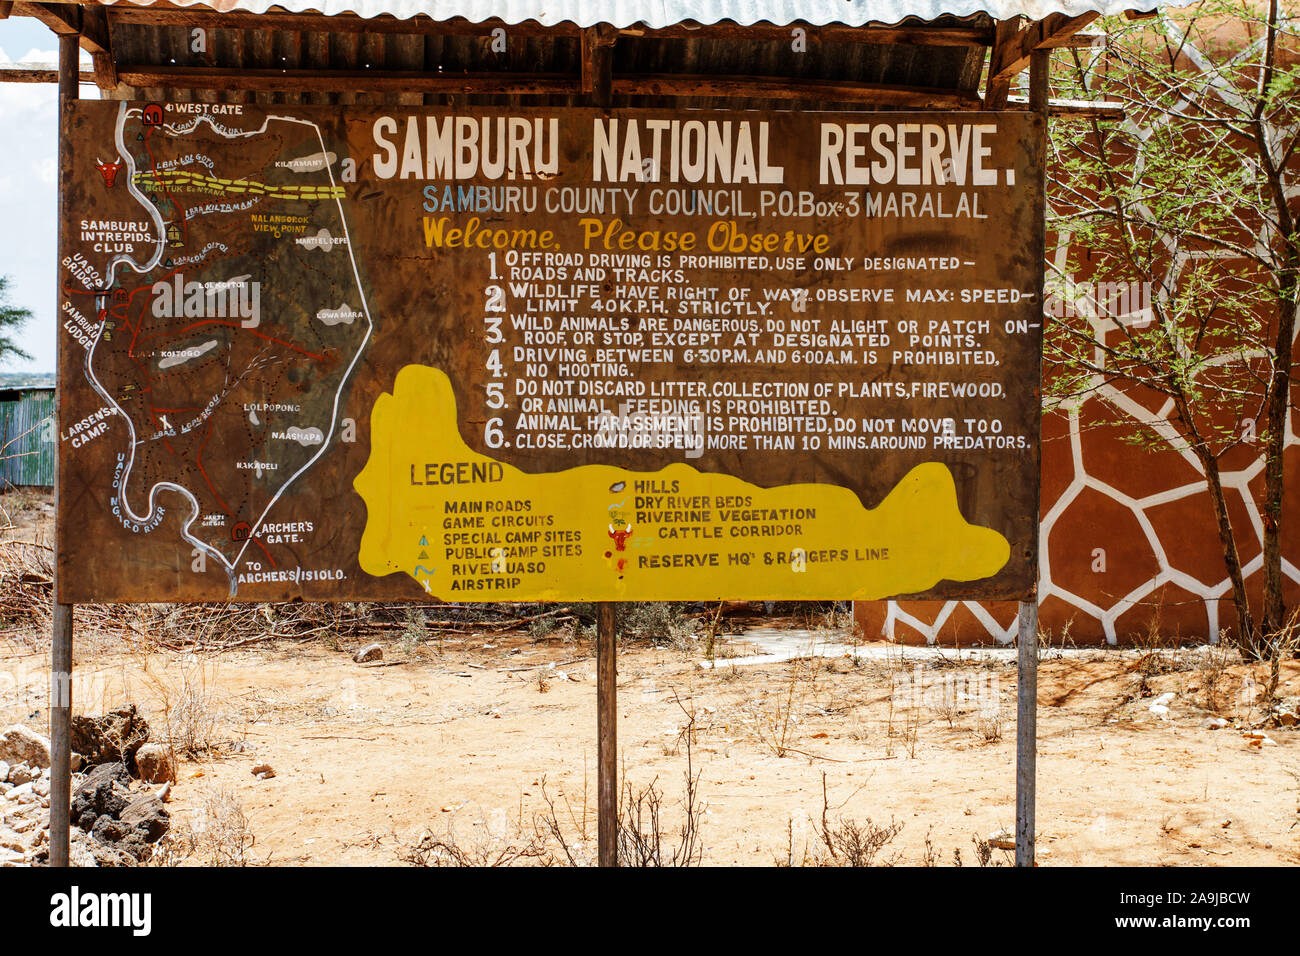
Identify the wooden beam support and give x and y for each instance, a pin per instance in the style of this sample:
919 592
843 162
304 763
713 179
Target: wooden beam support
94 30
1012 50
6 8
1013 57
63 18
830 33
597 62
21 75
997 88
781 88
95 33
1077 41
1075 109
61 629
89 24
345 81
413 81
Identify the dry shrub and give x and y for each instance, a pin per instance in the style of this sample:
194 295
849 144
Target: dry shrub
776 719
561 835
641 840
988 725
188 702
846 842
489 851
1213 670
217 834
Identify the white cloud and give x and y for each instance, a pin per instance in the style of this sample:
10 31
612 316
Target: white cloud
47 170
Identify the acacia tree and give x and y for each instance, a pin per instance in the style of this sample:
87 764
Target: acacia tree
11 320
1190 196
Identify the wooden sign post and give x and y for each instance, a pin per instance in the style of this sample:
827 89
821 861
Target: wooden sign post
61 638
1027 641
597 82
607 732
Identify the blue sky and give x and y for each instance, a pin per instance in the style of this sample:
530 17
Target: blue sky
29 189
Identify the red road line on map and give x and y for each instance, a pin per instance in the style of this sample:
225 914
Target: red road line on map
198 460
258 542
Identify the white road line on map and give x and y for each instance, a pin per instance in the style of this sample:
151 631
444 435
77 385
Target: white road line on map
202 546
229 566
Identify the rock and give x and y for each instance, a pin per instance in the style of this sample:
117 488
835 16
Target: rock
79 854
108 830
103 792
1004 839
371 652
76 761
1165 699
147 816
1286 712
1160 710
111 772
41 786
21 794
108 855
1214 723
20 745
263 771
115 736
4 771
164 793
20 774
155 763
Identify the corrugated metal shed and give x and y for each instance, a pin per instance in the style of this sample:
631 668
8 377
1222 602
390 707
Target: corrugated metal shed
687 69
759 54
663 13
26 445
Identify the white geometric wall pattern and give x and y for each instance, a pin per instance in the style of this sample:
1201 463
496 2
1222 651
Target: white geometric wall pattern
1127 534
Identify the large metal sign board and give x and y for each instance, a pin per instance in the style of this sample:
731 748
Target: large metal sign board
550 354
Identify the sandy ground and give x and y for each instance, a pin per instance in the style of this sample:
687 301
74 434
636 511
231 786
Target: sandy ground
470 735
459 737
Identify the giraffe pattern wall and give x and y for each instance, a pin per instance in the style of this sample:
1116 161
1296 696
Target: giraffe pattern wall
1128 544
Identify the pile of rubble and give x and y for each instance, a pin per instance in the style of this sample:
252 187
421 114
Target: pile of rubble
116 817
1285 713
24 794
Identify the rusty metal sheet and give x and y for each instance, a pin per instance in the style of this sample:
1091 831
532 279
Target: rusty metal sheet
550 354
671 12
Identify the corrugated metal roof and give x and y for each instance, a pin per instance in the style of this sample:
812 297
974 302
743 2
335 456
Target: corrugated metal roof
663 13
141 41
